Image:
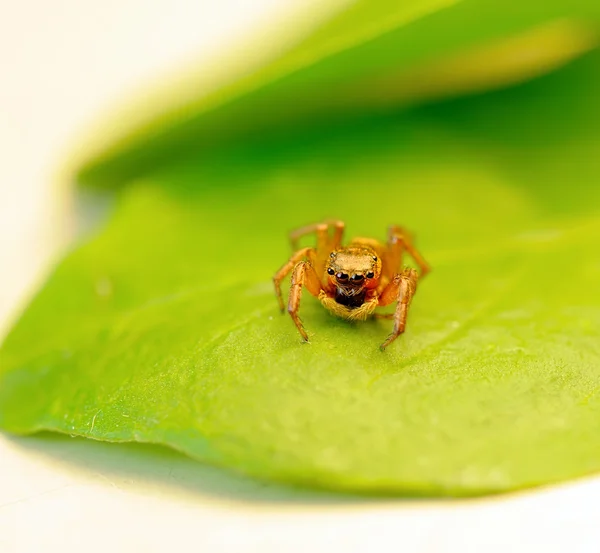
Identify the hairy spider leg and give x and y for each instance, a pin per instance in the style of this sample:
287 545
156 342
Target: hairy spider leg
305 253
329 237
322 231
401 288
304 275
387 316
400 240
308 265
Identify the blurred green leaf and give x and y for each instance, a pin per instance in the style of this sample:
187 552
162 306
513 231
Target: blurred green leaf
370 56
163 328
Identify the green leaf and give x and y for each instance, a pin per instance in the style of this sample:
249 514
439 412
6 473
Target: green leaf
370 56
163 328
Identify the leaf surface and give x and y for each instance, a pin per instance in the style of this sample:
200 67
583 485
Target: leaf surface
163 328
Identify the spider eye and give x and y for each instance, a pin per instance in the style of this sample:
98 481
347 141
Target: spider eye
370 274
330 271
332 254
374 258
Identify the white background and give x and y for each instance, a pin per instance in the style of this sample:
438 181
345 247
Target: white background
62 63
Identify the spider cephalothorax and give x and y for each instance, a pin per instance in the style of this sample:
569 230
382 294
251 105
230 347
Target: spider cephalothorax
353 271
352 281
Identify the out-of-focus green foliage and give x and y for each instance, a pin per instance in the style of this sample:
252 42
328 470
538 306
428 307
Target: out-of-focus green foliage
377 54
163 328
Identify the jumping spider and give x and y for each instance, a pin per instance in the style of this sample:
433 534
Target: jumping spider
352 281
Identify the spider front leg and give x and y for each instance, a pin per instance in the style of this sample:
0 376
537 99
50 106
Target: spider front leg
401 288
304 275
309 253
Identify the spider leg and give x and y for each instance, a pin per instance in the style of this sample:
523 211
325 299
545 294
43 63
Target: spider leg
383 315
304 275
324 240
400 240
309 253
401 288
338 234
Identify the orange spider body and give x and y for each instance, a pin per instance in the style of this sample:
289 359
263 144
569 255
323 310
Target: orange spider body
352 281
